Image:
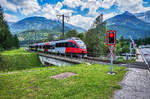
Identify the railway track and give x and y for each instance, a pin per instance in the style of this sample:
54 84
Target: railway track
145 53
99 60
84 59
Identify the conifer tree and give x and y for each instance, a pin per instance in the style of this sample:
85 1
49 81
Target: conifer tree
7 40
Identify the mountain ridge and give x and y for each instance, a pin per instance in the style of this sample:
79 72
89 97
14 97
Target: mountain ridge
128 24
39 23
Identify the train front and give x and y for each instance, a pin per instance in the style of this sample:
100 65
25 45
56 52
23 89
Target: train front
82 46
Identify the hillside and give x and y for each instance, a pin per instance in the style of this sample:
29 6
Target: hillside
18 60
144 16
40 23
127 24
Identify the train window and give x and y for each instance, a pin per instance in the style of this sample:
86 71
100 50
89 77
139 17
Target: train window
57 44
62 44
65 44
53 47
44 47
48 46
71 44
75 46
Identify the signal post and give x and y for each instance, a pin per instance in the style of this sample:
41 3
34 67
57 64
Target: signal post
111 44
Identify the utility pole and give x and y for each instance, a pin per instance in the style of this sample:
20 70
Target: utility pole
63 25
63 18
35 37
145 32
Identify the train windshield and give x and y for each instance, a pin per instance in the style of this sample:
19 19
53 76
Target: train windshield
81 44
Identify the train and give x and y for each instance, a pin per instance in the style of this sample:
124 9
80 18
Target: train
69 46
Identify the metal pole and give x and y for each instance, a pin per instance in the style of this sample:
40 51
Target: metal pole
130 49
63 18
145 32
111 69
35 37
63 25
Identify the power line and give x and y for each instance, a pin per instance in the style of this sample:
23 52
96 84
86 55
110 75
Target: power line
63 18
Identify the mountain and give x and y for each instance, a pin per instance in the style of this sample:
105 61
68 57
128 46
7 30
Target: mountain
40 23
10 23
144 16
127 24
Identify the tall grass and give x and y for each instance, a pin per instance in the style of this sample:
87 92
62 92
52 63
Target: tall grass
18 59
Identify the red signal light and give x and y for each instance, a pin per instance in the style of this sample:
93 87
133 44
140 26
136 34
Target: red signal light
111 35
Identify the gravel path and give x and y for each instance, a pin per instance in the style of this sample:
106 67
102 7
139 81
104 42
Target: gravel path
135 85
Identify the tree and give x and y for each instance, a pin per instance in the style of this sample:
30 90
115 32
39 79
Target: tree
81 36
71 33
51 37
16 41
3 28
122 46
6 38
95 39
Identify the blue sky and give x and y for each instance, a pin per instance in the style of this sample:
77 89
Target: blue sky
81 12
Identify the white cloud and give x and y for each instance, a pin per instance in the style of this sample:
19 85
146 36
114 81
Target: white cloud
109 15
8 5
48 11
66 12
29 6
81 21
58 6
131 6
10 17
25 7
107 3
92 5
72 3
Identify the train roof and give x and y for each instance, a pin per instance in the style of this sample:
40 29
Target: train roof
41 44
56 41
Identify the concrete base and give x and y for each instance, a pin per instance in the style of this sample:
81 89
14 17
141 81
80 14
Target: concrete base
111 73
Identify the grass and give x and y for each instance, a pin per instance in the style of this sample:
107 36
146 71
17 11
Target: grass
91 82
18 60
122 60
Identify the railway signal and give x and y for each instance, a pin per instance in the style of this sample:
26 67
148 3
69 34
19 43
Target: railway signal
111 37
111 43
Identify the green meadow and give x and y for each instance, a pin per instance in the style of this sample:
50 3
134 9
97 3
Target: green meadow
26 78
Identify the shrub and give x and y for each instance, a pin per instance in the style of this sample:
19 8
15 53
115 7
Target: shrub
120 59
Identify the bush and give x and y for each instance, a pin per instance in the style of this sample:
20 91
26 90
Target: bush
120 59
131 61
0 57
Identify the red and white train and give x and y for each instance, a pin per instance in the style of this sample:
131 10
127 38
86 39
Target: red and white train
68 46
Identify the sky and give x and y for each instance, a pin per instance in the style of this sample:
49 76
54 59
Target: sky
81 12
